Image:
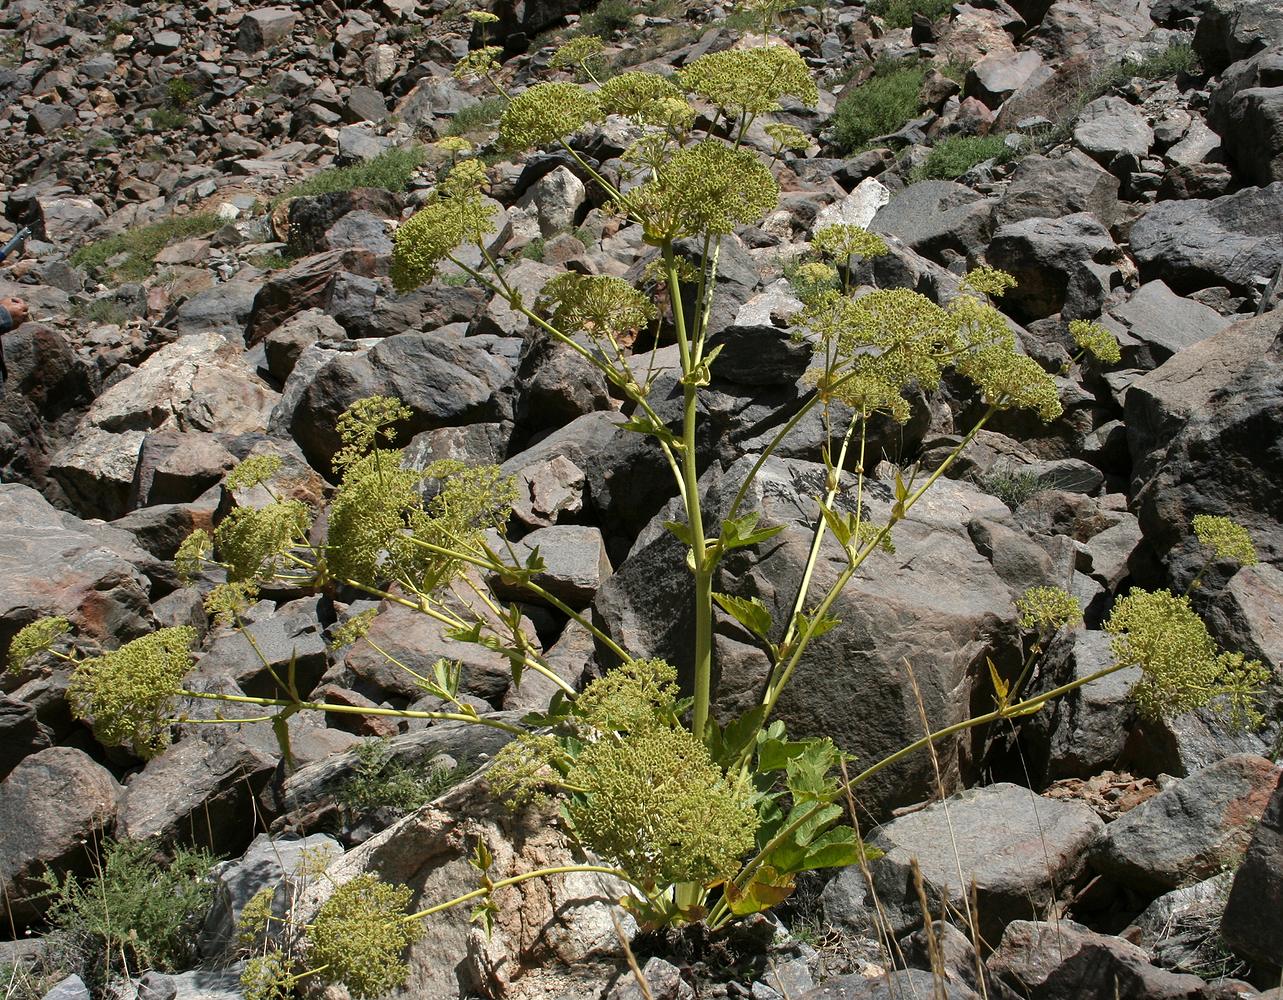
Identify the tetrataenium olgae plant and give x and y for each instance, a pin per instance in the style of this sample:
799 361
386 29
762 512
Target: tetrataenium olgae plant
702 819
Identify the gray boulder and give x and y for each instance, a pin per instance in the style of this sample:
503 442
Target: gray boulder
1063 265
1085 731
1230 30
54 806
1253 920
269 863
200 791
442 377
1062 960
1155 323
224 309
1190 830
1018 849
575 562
21 733
1114 133
1047 188
888 986
1235 240
1247 111
998 75
1195 431
931 217
264 28
51 563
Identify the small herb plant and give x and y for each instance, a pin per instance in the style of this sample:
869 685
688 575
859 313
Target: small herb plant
702 819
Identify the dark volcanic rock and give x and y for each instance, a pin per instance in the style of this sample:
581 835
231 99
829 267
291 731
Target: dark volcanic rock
1253 921
1235 240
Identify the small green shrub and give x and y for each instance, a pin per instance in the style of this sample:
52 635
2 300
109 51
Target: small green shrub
899 13
1012 486
271 261
179 93
534 250
381 782
167 119
475 116
134 914
610 17
143 244
1179 57
884 104
391 170
954 156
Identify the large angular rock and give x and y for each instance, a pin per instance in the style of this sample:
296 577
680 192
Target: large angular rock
1000 74
67 220
224 309
21 733
201 792
938 605
1062 960
311 218
1253 920
933 216
96 470
1047 188
264 28
1230 30
199 382
555 200
1063 265
1018 849
51 563
315 282
548 923
575 562
445 379
1235 240
1190 830
1084 732
1114 133
1247 111
1156 323
54 806
1195 427
267 864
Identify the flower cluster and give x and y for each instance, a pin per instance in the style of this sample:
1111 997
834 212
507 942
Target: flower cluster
577 52
126 694
1181 667
705 189
598 305
646 98
455 214
1096 340
841 242
35 638
788 137
1048 608
748 82
360 934
254 541
546 113
1226 538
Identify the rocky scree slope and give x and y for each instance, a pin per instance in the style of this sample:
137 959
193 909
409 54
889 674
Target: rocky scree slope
191 310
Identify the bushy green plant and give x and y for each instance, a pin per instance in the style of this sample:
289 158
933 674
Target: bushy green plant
390 170
140 246
179 93
136 912
167 119
883 104
381 782
608 18
899 13
475 116
954 156
702 819
1012 486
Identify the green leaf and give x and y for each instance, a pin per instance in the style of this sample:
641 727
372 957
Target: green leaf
808 772
999 685
742 531
749 612
774 754
839 524
823 624
681 532
743 731
642 424
767 888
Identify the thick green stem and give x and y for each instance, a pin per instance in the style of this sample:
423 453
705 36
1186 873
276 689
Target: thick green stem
700 562
517 880
321 706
